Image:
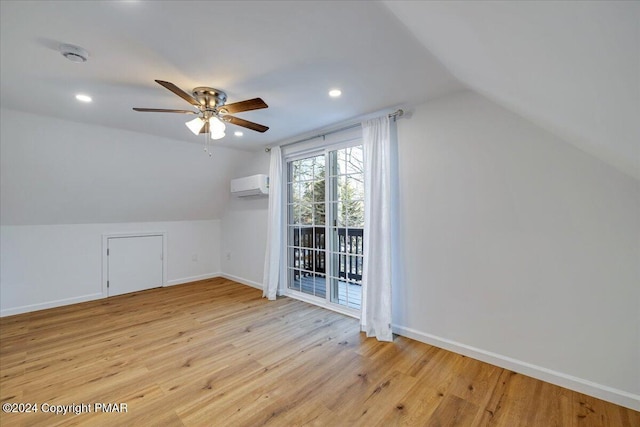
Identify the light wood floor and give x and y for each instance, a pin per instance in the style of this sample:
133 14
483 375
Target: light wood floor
215 353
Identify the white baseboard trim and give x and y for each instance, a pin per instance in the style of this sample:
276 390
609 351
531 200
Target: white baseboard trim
610 394
242 280
49 304
84 298
192 279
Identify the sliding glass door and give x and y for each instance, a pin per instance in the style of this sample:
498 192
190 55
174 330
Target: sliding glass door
325 207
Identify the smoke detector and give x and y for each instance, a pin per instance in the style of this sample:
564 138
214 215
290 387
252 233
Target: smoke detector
74 53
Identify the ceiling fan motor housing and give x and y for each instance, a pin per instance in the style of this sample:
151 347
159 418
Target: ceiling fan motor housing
210 97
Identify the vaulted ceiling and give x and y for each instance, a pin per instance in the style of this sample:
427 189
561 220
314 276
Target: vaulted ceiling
571 67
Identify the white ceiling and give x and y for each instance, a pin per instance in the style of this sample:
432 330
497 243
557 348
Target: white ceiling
572 67
288 53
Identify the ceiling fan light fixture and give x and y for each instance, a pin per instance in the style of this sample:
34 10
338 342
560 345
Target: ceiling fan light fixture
195 125
216 128
216 125
217 135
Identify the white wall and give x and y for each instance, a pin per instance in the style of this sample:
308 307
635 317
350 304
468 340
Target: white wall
244 231
517 247
44 266
63 184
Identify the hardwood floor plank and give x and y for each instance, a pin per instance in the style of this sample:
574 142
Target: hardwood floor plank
475 382
214 352
415 408
453 411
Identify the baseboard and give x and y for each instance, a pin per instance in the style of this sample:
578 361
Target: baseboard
242 280
91 297
192 279
49 304
619 397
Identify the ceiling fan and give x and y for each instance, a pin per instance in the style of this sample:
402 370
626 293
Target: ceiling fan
212 112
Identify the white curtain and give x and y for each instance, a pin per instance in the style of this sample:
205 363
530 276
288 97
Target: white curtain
376 278
274 227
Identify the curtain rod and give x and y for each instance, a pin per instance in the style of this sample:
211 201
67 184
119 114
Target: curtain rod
394 116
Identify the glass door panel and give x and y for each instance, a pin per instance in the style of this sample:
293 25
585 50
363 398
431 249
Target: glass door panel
306 237
326 225
346 177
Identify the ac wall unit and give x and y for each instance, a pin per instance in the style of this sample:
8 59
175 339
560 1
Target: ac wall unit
254 185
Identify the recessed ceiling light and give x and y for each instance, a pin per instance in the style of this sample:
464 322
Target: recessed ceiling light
334 93
238 133
83 98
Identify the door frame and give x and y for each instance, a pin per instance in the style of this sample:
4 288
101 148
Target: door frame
105 259
338 141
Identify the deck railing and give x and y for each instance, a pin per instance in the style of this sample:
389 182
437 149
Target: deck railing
310 253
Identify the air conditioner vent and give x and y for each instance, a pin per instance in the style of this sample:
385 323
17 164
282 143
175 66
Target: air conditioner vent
255 185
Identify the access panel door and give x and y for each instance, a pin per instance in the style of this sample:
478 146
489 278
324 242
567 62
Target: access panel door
134 264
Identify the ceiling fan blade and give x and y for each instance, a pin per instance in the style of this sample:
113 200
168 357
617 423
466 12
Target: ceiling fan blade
182 94
245 124
249 104
205 127
161 110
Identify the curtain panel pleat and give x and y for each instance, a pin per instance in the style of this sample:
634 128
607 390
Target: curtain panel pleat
272 259
376 278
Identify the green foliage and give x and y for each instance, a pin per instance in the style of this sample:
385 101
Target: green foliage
308 189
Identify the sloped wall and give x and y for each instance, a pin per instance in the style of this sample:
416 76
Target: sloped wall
63 184
60 172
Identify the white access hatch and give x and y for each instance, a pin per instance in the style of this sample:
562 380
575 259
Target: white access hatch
134 263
